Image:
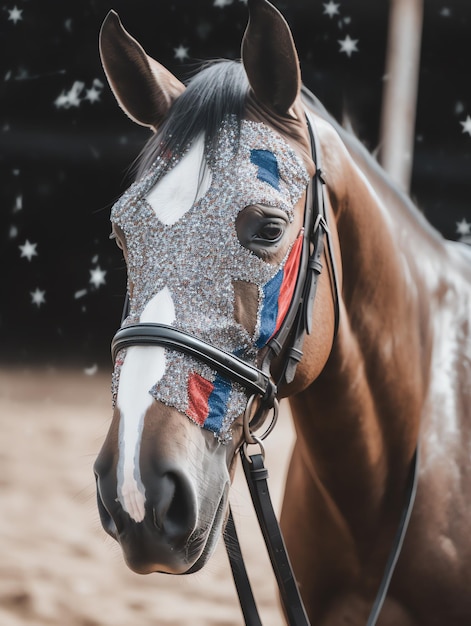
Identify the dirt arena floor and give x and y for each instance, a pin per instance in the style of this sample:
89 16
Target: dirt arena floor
57 566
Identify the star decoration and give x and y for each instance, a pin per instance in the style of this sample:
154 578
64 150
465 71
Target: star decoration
38 297
348 45
466 125
70 98
18 203
181 53
331 9
15 15
92 95
463 227
28 250
97 276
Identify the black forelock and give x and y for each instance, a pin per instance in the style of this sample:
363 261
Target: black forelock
217 91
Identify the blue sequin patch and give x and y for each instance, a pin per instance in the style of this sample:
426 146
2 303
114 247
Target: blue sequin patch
269 313
217 403
267 167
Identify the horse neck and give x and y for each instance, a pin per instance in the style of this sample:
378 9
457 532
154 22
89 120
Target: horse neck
361 427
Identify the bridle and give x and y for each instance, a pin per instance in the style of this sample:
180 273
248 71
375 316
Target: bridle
263 390
258 381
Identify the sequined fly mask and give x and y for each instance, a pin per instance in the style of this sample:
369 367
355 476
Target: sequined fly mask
183 270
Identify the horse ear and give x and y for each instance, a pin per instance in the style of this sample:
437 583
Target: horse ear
143 88
270 58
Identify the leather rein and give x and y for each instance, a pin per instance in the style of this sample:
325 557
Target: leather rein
263 390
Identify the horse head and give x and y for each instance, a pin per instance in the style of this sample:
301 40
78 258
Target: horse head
212 233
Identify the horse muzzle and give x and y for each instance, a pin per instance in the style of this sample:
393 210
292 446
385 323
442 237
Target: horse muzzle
180 526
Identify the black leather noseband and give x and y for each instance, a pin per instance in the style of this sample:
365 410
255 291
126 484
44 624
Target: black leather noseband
241 372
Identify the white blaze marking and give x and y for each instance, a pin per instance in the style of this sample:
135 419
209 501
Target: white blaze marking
142 368
187 182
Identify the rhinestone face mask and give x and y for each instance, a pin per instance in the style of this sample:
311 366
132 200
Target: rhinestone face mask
196 259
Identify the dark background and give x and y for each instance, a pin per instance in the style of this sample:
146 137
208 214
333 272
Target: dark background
66 146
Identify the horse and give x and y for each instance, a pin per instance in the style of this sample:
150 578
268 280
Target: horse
212 232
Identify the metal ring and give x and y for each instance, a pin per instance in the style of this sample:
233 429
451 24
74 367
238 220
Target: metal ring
258 441
248 409
249 437
274 419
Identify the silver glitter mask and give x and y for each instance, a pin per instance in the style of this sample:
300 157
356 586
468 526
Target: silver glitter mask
196 259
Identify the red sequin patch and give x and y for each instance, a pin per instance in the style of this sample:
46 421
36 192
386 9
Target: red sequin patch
199 390
290 275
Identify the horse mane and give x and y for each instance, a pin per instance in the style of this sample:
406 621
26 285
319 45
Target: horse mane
387 189
217 91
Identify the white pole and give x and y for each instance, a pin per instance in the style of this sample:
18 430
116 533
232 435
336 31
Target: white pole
400 89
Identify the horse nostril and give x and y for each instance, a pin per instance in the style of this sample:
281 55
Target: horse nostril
166 496
158 522
107 520
174 509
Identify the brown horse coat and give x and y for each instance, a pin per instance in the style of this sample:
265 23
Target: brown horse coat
398 373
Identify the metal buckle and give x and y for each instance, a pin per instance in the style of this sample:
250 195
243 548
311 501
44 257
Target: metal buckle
250 438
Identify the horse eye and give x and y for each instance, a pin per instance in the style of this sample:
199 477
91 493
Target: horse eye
271 232
261 229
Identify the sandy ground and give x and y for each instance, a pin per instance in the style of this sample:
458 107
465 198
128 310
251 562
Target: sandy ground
57 566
